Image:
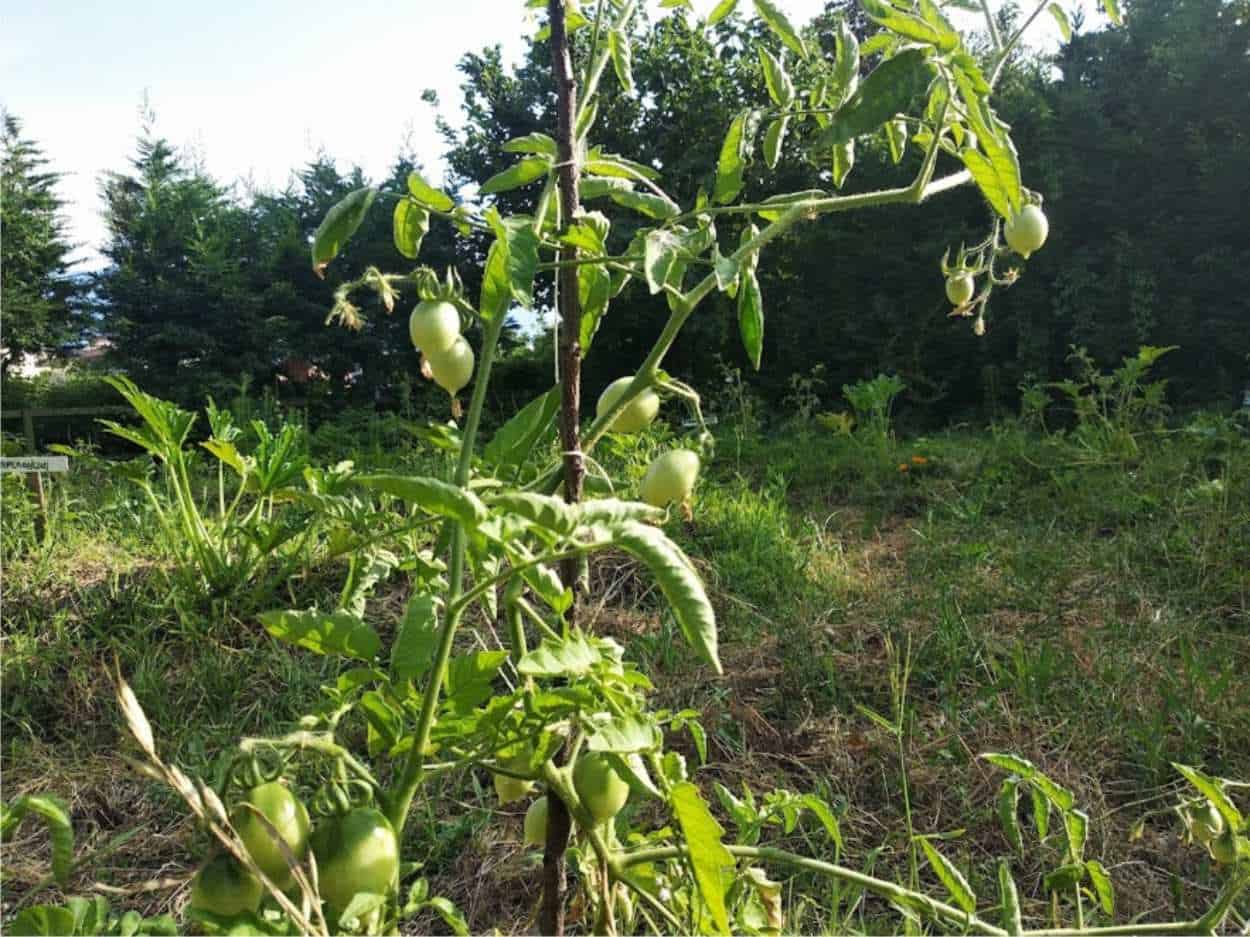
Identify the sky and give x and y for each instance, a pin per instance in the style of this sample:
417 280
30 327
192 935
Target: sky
253 90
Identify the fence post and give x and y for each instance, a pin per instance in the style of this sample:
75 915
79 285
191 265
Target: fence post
28 427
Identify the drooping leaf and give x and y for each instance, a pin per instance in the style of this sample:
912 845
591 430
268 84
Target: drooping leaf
678 581
1062 21
496 295
1008 806
336 633
951 877
774 136
896 136
1103 888
711 862
521 173
720 11
594 289
546 511
624 735
428 195
409 226
781 26
887 91
416 639
843 161
515 440
430 494
1009 899
645 203
934 31
751 317
661 257
734 157
1213 791
339 224
1076 825
845 79
622 59
776 78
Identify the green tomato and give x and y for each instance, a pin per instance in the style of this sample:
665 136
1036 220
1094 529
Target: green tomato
670 478
1205 822
288 816
602 791
434 326
1026 230
638 413
452 368
224 887
536 823
1224 848
357 852
959 288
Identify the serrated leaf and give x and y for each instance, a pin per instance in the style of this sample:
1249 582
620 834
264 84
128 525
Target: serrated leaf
547 511
337 633
1103 888
1062 21
888 90
781 26
951 877
773 139
624 735
678 581
416 639
430 494
427 194
339 224
409 225
470 678
522 173
776 79
622 59
570 657
710 861
751 317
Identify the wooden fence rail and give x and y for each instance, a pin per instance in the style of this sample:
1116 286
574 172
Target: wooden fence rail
28 415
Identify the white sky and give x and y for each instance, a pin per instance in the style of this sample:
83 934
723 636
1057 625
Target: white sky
253 89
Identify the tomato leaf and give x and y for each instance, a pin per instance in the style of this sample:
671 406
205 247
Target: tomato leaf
1112 8
517 175
624 735
887 91
338 633
711 862
773 138
594 289
932 30
1103 888
430 494
1008 807
751 317
537 144
410 224
515 440
781 26
1210 788
951 877
678 581
653 206
896 137
843 161
469 679
732 162
777 79
1076 825
339 224
1009 899
622 59
720 11
570 657
427 195
1061 19
417 637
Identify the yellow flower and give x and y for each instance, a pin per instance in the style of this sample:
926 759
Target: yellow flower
919 460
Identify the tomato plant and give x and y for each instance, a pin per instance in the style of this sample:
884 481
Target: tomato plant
544 697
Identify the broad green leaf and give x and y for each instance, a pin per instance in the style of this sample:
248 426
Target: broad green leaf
934 31
720 11
896 136
430 494
515 176
1057 794
1065 878
645 203
1076 825
226 452
733 160
386 724
611 512
1210 788
780 87
999 189
43 919
570 657
1061 19
594 289
951 877
450 914
469 678
547 511
409 226
517 233
845 79
773 139
679 583
1103 888
427 195
515 440
1013 763
1008 805
1041 812
709 859
496 295
412 653
622 59
781 26
536 144
843 161
751 317
661 258
1009 900
826 818
997 172
624 735
593 187
339 224
887 91
322 633
611 165
1112 7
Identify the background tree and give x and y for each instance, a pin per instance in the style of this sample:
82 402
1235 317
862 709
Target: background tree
36 289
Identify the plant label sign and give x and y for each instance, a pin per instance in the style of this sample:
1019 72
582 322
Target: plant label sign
39 463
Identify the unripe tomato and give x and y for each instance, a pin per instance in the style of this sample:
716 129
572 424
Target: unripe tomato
284 810
959 288
638 413
670 478
603 792
1026 230
1205 822
223 886
1224 848
434 326
536 823
452 368
356 853
511 789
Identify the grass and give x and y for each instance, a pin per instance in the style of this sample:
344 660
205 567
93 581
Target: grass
1089 613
